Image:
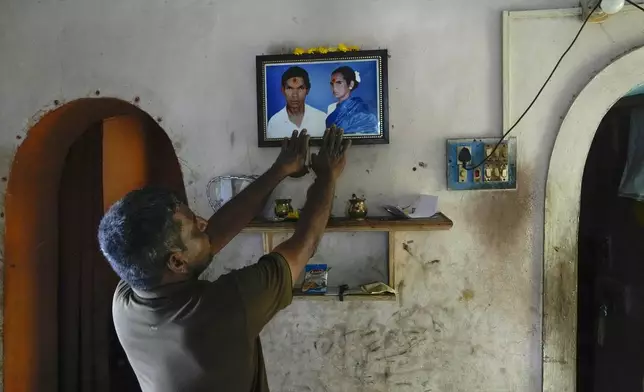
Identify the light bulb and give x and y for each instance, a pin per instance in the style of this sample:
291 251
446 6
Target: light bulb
612 6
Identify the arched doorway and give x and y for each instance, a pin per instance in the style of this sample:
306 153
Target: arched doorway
75 162
562 208
610 269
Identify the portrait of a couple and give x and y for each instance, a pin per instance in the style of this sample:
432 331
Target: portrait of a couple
315 96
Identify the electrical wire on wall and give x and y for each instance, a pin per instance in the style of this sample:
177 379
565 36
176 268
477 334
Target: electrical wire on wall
496 146
639 7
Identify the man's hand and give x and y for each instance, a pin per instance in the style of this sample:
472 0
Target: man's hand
328 165
292 159
329 162
233 216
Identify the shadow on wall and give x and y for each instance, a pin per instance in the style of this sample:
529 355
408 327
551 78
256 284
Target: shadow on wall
135 152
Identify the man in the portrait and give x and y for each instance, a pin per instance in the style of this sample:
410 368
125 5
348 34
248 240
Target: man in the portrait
296 115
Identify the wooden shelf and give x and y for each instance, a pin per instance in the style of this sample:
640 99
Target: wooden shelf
333 295
383 223
389 224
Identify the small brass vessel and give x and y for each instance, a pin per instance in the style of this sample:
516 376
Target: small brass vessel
282 208
357 208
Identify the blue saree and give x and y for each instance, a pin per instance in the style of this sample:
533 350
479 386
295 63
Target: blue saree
353 116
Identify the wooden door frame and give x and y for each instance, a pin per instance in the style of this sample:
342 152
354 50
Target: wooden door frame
31 241
562 206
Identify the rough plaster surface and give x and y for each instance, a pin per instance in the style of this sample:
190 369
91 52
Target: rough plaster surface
601 68
470 321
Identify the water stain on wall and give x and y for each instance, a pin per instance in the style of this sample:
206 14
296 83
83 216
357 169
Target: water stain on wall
466 295
498 218
561 279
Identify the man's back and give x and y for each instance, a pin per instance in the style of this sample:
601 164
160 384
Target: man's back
199 335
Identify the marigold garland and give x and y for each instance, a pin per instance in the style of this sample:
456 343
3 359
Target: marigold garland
325 50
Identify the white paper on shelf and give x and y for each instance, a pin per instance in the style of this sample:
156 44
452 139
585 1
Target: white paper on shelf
423 206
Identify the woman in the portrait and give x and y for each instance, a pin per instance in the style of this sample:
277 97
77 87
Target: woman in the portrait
352 114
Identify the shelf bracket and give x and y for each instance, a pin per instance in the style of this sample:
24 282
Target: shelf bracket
342 288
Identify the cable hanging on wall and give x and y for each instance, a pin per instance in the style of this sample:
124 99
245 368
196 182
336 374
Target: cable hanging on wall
639 7
496 146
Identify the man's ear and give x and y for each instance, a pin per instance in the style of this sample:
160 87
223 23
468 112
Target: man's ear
352 85
177 264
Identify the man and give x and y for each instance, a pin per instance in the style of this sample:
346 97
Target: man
296 114
184 334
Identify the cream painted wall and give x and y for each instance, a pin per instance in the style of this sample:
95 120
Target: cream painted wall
192 63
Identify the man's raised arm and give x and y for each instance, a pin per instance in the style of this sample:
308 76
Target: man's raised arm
328 164
233 216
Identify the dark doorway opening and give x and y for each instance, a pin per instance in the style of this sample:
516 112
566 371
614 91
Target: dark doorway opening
610 342
72 166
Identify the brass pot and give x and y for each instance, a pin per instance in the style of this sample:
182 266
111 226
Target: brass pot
357 208
282 208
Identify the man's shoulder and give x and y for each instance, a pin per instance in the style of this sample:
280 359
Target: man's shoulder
279 114
121 302
123 290
131 307
278 125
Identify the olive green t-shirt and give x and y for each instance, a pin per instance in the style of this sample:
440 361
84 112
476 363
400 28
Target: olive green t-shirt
199 335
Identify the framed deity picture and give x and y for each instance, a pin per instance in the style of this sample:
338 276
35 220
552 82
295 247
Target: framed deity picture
316 91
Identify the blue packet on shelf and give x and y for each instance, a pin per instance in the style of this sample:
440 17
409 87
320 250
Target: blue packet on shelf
315 278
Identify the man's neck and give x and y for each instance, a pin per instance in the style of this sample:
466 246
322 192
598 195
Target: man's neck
170 278
298 111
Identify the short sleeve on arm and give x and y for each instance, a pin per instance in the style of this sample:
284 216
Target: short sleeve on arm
266 288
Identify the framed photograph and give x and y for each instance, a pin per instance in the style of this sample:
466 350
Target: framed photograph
315 91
